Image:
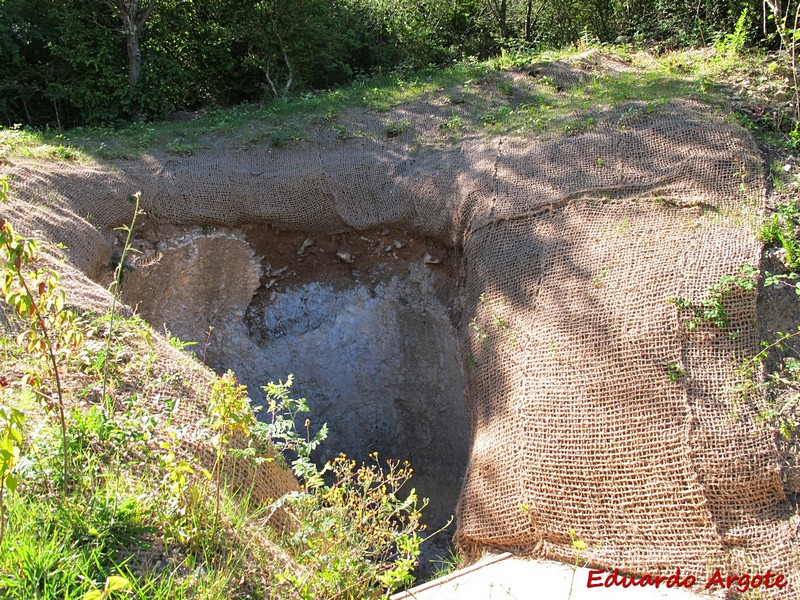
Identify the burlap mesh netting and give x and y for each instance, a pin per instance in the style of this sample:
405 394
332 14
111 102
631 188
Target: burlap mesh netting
572 246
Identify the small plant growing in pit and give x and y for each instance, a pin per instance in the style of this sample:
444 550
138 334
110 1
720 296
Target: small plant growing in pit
281 431
362 515
115 291
355 527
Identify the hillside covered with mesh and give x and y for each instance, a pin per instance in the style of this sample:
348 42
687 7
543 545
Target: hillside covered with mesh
594 406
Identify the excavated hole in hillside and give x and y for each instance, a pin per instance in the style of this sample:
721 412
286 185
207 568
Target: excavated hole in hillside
365 321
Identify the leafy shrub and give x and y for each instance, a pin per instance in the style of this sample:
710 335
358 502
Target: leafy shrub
781 230
731 44
355 534
355 529
712 310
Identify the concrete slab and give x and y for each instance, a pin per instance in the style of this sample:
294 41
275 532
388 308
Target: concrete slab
507 577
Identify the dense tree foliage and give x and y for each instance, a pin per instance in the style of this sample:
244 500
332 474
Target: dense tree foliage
68 62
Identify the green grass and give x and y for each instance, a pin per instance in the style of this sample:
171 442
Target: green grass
488 100
64 549
277 123
445 565
26 142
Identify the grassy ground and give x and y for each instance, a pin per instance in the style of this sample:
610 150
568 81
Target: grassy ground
498 103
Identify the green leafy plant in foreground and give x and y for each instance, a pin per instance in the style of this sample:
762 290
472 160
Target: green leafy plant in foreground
12 423
230 414
781 230
355 527
50 333
281 431
177 342
355 530
675 371
355 533
114 583
712 309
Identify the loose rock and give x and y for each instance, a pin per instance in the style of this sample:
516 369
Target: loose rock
344 256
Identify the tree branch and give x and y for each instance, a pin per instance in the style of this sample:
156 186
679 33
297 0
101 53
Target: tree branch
118 7
285 56
494 8
146 13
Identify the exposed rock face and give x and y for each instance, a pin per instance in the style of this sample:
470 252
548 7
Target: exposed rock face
199 281
377 356
379 364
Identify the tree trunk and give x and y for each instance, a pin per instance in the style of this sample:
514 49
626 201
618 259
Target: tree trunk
528 11
133 18
134 55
